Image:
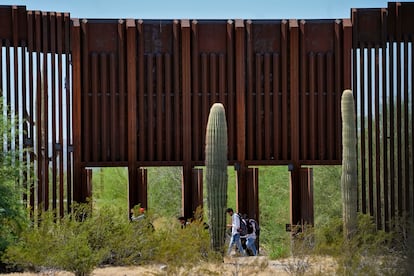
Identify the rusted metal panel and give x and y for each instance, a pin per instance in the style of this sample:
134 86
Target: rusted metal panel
369 134
13 24
160 122
252 203
141 91
385 165
368 27
168 108
197 132
69 107
263 78
120 110
250 138
53 107
377 138
405 118
77 108
405 13
25 127
30 135
131 69
85 90
267 115
321 84
59 145
197 200
399 19
177 88
150 126
231 91
44 98
104 93
210 83
186 116
155 68
143 187
285 150
103 35
306 196
294 90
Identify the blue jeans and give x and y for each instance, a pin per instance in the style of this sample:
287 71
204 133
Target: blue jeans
235 240
251 244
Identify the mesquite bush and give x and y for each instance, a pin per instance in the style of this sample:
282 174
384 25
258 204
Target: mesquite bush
216 174
349 164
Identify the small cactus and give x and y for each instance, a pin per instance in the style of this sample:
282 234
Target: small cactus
216 174
349 164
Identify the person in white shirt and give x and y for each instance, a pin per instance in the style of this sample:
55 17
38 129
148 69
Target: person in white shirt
235 235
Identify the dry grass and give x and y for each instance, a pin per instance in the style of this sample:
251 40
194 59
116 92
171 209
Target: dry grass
231 266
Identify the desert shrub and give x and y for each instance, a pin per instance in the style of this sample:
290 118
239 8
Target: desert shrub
184 247
13 216
329 237
13 219
55 243
302 249
369 252
86 239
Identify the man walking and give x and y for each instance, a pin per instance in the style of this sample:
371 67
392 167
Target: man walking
235 235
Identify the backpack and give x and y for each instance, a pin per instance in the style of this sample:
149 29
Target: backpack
249 226
243 230
256 226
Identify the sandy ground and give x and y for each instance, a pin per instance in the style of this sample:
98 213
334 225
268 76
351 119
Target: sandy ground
231 266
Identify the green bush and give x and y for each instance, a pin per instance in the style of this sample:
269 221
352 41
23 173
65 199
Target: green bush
59 244
88 239
368 252
184 247
13 216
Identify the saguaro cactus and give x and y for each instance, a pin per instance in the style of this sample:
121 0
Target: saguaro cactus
349 164
216 174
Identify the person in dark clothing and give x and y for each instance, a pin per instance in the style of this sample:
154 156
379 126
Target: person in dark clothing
183 222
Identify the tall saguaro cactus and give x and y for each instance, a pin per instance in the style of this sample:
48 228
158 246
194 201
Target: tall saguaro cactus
349 164
216 174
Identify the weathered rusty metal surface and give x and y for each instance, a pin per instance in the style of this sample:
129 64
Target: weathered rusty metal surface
382 41
136 93
171 112
35 85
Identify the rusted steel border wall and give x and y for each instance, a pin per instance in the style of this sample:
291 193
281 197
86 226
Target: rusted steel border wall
36 86
150 84
382 49
137 93
171 73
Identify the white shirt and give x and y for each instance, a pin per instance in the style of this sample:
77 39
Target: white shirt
235 224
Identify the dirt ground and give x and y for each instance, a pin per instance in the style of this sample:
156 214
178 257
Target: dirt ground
260 265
